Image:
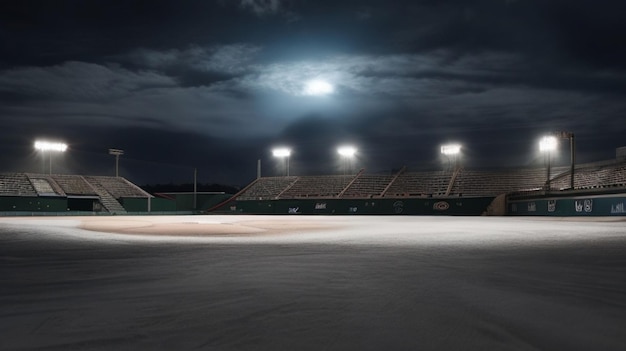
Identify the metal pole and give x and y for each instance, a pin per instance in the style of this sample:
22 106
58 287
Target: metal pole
572 147
50 158
195 188
548 181
258 169
117 153
117 163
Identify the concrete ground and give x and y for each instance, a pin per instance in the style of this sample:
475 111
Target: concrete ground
312 283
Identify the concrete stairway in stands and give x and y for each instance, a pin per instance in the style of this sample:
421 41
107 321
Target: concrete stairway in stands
107 200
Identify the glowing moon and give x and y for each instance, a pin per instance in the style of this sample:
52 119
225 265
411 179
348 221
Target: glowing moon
318 87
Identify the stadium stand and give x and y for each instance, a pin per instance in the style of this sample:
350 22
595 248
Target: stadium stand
267 188
74 185
109 191
460 182
495 182
598 175
16 184
317 186
367 185
420 184
45 186
118 187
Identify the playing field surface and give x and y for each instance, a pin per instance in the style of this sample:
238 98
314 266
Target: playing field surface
312 283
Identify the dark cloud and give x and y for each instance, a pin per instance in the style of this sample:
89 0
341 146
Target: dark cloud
79 81
216 84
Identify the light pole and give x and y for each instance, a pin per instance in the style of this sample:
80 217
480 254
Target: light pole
451 150
347 153
572 152
548 144
283 153
44 146
117 153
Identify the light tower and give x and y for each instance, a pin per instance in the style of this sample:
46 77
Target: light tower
117 153
283 153
451 150
548 144
572 152
347 153
50 147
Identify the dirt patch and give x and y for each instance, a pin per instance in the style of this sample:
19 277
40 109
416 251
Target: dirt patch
172 227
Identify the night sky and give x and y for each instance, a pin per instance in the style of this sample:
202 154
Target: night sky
215 85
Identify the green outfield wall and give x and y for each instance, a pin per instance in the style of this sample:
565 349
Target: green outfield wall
183 202
33 204
409 206
573 205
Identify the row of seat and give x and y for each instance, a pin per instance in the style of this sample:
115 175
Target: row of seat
464 182
16 184
31 184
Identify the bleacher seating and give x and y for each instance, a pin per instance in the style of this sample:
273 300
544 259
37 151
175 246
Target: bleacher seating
108 190
485 182
16 184
367 185
420 184
45 186
594 176
74 185
118 187
317 186
463 182
267 188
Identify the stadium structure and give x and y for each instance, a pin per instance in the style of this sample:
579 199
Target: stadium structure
600 187
599 190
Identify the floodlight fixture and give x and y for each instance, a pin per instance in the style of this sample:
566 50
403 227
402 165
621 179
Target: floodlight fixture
548 143
283 152
346 151
50 146
451 149
116 152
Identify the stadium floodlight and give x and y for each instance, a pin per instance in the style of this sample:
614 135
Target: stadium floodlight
117 153
281 152
451 149
50 147
285 153
346 151
572 152
547 144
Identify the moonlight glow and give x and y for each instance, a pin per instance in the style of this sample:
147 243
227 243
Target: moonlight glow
318 87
